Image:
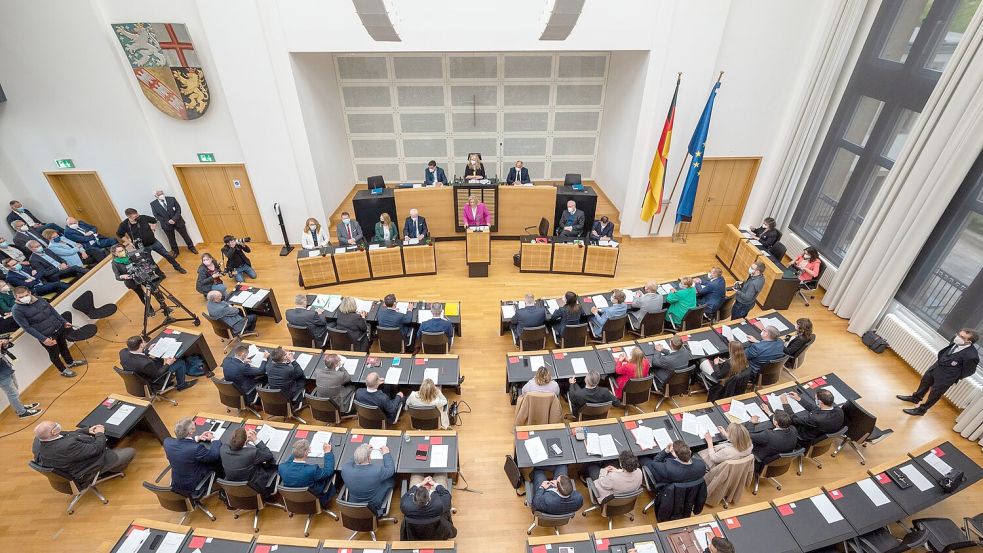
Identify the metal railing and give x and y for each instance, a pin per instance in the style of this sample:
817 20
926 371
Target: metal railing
937 296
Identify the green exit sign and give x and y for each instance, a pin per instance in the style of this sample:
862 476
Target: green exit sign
65 164
206 157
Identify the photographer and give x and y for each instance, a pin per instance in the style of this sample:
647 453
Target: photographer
121 263
235 251
40 320
140 230
210 276
8 383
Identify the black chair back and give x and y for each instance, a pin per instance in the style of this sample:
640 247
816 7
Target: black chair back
376 181
544 227
796 361
370 416
513 473
572 178
228 394
820 448
533 338
357 517
170 500
594 411
859 422
340 340
637 391
771 373
299 501
300 337
574 336
693 318
726 307
614 329
424 418
620 504
59 481
391 340
85 303
434 342
135 384
782 464
778 250
323 409
219 327
240 495
652 324
273 402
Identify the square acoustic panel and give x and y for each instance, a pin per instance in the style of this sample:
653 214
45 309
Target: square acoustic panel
519 146
389 171
483 122
473 67
528 67
422 122
415 96
424 147
527 95
418 67
582 67
576 120
527 121
374 123
363 68
377 149
579 94
573 145
480 96
366 96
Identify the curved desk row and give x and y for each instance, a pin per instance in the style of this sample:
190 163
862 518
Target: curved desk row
333 265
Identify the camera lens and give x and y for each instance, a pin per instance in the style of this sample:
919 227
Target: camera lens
247 239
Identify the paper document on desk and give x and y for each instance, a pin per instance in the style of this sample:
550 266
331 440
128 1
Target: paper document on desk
164 348
433 373
320 301
171 543
424 315
665 344
873 491
739 335
838 398
536 361
938 464
317 443
706 426
775 402
826 508
608 447
217 433
773 321
536 450
579 365
553 305
238 298
255 298
709 348
739 411
662 437
695 347
257 360
120 414
690 424
413 241
340 250
363 305
727 332
917 478
644 437
599 301
402 306
375 246
274 438
508 311
253 351
593 443
350 366
666 289
134 541
754 242
333 302
704 534
303 359
646 547
377 443
393 374
439 455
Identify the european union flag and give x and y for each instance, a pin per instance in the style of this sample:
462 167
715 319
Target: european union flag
697 144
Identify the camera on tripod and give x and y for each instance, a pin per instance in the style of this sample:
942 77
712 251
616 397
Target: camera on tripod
143 269
5 347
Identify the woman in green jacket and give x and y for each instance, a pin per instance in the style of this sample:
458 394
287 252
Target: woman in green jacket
385 224
681 301
7 323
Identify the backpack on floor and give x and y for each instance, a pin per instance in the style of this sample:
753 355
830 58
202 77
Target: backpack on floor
874 342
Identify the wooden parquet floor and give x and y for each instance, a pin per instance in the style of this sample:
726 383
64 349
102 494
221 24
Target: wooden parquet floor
32 516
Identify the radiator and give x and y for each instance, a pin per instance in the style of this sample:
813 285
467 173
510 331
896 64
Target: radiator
908 342
796 245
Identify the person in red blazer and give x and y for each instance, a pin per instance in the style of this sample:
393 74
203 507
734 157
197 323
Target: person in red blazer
637 366
476 213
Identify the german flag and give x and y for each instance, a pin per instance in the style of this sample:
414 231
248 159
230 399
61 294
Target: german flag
652 203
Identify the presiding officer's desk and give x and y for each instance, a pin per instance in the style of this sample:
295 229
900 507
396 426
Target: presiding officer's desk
736 252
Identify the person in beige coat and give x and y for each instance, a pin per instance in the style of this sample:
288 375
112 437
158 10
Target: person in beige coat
538 408
430 395
737 446
731 465
613 480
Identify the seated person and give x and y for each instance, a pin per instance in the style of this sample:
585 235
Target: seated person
429 395
426 508
23 275
761 352
769 441
476 213
246 459
568 314
767 233
474 170
668 361
803 335
121 270
415 227
807 265
81 454
623 478
222 310
20 213
237 369
210 276
154 370
590 393
571 221
349 232
7 323
602 228
721 368
385 230
372 395
312 238
49 265
314 320
518 175
24 234
613 311
529 316
438 323
72 252
190 459
680 302
298 472
818 419
711 291
637 366
79 231
353 321
433 175
720 545
368 482
675 464
9 251
542 382
555 497
332 381
390 317
645 301
235 250
737 446
286 375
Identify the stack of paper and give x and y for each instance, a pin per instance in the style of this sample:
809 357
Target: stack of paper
274 438
838 398
599 301
579 365
375 246
255 298
665 344
317 443
740 335
350 366
536 450
120 414
393 374
628 350
240 297
508 311
744 411
916 477
257 360
644 437
695 347
363 305
773 321
873 492
666 289
755 243
826 508
339 250
303 359
134 541
320 301
727 332
698 425
171 543
709 348
601 444
424 315
775 402
938 464
438 456
536 361
333 302
164 348
553 305
432 373
402 306
377 443
413 241
253 351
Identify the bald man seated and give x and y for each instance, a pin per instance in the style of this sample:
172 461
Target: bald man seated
82 453
415 227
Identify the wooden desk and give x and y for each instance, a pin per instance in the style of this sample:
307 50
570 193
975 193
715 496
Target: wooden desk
351 265
736 253
536 257
568 257
601 261
315 271
420 260
523 206
727 247
478 252
386 262
435 204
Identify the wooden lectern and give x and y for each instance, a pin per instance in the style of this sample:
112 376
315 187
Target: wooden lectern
478 245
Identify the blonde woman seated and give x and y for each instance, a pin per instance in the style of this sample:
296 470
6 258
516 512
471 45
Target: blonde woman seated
737 446
542 382
429 395
312 237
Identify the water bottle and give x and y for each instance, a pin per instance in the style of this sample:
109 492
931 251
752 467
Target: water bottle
406 437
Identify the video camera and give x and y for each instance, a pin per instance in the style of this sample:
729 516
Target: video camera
5 348
143 269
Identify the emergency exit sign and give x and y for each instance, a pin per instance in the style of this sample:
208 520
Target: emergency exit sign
206 157
65 164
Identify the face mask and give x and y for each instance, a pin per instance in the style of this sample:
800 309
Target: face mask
750 271
24 300
21 210
312 227
958 340
159 198
710 276
572 209
807 257
74 226
18 267
345 220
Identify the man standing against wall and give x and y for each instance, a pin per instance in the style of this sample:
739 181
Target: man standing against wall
168 213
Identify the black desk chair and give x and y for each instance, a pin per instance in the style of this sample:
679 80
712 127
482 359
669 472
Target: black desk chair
177 503
574 336
391 340
326 411
882 541
693 318
593 411
514 474
242 498
651 324
61 482
370 416
358 518
771 373
226 334
777 250
300 337
677 385
572 178
544 520
812 285
776 468
300 501
138 386
612 331
276 405
973 526
544 227
232 398
726 308
637 392
435 343
944 535
860 426
820 448
376 181
340 340
532 338
614 505
793 362
424 418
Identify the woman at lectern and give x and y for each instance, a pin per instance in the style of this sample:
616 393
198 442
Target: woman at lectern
313 238
476 213
475 170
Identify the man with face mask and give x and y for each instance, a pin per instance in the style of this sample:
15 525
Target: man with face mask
434 175
349 232
51 266
168 214
748 290
22 274
571 221
955 362
10 251
24 234
415 227
40 320
79 231
711 290
140 230
20 213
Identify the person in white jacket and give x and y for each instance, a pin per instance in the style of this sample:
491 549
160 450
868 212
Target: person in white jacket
430 395
313 237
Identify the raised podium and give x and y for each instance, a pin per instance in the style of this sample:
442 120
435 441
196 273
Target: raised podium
478 247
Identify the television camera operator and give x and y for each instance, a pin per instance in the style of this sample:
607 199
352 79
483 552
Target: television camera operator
234 251
140 231
126 270
8 382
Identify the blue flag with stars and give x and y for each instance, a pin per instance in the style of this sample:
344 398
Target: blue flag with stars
697 144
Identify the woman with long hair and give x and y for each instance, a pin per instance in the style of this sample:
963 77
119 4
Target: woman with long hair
474 170
628 367
803 337
725 367
312 237
737 446
568 314
542 382
210 276
429 395
385 230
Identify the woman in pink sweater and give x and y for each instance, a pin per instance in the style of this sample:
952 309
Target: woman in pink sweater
808 264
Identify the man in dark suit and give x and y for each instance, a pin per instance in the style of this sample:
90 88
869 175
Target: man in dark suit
8 250
24 234
20 213
372 395
438 323
332 381
770 442
23 275
590 393
767 233
390 317
313 320
140 231
555 497
817 420
191 460
667 361
134 359
80 453
676 464
711 290
369 482
433 175
51 266
761 352
530 316
286 375
955 362
246 459
349 232
168 213
237 370
87 235
426 509
571 221
518 175
415 227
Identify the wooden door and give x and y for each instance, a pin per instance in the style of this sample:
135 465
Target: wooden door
725 184
222 201
83 196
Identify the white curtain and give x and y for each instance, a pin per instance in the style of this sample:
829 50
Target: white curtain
943 145
969 423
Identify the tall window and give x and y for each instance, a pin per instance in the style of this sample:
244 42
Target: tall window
945 286
909 44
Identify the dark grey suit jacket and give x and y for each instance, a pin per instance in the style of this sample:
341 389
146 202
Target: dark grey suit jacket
77 453
668 362
316 324
172 212
255 465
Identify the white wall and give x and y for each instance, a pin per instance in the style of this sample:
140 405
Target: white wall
620 117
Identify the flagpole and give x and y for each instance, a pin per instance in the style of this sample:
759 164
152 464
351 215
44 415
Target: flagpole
679 77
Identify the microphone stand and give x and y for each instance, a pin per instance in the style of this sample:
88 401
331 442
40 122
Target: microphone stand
287 248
